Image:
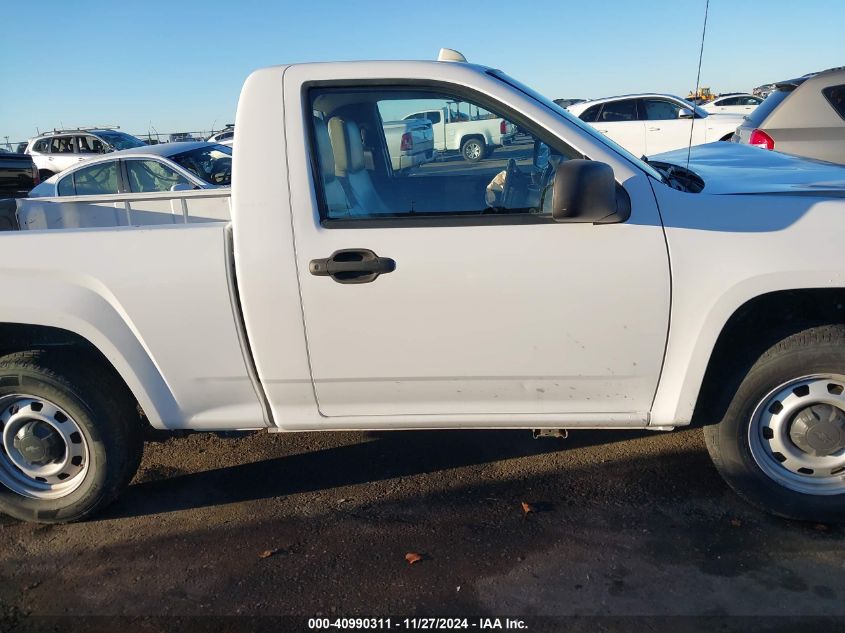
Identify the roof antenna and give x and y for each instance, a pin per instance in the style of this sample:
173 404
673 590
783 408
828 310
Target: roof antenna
697 79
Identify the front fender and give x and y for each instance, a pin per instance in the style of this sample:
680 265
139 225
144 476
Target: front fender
726 250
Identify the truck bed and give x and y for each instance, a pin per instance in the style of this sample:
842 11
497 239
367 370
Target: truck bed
170 326
125 209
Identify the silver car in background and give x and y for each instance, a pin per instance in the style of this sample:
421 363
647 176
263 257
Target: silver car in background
803 116
169 183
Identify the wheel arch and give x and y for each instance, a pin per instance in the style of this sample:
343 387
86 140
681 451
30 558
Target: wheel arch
466 137
751 329
128 361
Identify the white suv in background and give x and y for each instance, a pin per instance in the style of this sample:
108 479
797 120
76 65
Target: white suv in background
737 103
648 124
56 151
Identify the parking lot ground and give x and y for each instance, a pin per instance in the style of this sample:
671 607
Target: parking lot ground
623 524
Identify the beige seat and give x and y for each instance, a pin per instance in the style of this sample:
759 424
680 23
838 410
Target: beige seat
338 205
351 169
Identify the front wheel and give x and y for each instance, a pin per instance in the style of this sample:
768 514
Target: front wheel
473 150
70 437
781 443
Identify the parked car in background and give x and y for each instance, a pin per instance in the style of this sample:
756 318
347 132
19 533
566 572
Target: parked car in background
21 149
409 142
459 126
763 91
162 167
734 103
18 174
803 116
224 137
56 151
183 137
135 186
646 124
565 103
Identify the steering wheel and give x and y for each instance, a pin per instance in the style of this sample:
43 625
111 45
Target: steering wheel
512 172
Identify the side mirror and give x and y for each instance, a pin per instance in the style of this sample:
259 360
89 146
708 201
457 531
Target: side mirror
585 191
685 113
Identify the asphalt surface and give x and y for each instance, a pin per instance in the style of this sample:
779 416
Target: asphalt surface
622 524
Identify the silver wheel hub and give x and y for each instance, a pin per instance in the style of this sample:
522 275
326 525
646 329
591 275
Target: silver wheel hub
38 443
797 435
43 451
819 430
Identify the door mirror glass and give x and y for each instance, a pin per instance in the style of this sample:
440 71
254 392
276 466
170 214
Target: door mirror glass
586 191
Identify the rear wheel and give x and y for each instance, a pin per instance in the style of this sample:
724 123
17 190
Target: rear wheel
781 443
473 149
70 437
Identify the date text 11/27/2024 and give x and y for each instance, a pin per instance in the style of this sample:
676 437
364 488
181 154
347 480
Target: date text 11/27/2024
431 624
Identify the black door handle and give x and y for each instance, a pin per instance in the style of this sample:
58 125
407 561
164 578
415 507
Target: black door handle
352 266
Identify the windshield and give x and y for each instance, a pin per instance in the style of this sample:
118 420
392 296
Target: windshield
121 140
551 105
210 163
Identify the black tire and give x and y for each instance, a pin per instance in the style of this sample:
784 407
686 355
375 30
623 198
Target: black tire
814 351
101 406
44 174
473 149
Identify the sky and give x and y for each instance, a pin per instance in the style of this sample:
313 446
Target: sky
178 65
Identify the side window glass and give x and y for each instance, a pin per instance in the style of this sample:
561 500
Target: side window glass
65 186
616 111
591 114
660 110
89 145
151 175
61 145
835 95
434 117
42 146
375 160
96 180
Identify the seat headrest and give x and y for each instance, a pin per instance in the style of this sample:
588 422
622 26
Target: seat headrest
324 148
348 147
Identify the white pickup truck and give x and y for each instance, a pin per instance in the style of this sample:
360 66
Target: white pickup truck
570 286
409 143
465 127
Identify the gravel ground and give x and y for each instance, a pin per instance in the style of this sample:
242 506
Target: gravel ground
621 524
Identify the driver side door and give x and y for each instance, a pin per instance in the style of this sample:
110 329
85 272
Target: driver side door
489 307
